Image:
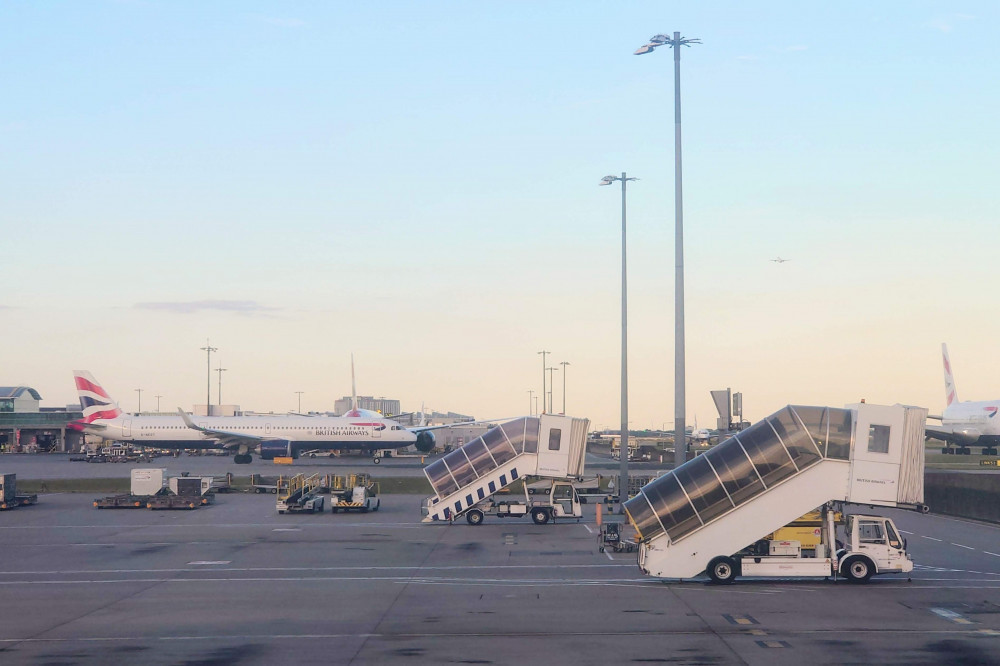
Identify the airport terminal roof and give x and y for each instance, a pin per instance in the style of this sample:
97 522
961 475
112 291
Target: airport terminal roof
18 391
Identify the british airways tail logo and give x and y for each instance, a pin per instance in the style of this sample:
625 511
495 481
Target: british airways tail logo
991 410
94 400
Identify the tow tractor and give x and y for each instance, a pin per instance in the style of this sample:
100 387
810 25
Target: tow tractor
559 500
301 495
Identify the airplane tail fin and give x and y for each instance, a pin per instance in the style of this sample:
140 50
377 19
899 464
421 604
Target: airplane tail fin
951 395
353 412
94 400
354 388
423 416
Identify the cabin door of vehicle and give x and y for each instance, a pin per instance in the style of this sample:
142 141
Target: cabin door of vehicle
563 499
127 428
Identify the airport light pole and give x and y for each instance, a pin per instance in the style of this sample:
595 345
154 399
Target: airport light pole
299 393
551 370
530 396
564 364
208 349
220 371
623 450
139 391
158 396
680 440
536 405
544 354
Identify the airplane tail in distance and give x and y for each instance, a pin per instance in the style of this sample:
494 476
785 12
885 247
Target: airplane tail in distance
951 395
94 400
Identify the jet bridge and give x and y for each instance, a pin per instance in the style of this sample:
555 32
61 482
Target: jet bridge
768 475
546 446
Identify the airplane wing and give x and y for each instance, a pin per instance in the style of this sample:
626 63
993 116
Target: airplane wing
949 434
225 438
461 423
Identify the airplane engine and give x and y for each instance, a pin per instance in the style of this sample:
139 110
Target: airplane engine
274 448
425 441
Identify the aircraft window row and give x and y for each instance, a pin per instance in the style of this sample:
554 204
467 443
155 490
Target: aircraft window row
740 468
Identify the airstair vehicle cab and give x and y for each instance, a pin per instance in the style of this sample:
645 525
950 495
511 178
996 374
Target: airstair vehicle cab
706 514
547 446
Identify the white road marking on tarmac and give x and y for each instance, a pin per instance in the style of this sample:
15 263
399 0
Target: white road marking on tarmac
208 562
457 567
588 528
927 537
405 580
188 526
905 532
993 554
609 556
960 545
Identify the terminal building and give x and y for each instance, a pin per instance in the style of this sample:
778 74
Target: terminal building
383 406
27 427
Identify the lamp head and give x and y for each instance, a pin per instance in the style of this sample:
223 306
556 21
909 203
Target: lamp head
607 180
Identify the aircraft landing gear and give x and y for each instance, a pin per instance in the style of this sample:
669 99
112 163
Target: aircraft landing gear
242 459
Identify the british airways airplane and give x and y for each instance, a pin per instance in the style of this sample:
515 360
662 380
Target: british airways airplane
271 434
965 423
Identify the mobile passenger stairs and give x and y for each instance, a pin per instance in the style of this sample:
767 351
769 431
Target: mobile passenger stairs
548 447
301 495
711 514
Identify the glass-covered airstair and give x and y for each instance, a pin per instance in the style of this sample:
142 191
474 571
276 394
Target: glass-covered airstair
546 446
764 477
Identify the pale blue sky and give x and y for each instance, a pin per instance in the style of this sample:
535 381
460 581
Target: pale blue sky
417 183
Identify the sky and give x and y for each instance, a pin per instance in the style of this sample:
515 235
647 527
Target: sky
417 184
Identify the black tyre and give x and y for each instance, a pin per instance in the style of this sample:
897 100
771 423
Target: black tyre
376 460
474 517
857 569
722 570
539 516
377 505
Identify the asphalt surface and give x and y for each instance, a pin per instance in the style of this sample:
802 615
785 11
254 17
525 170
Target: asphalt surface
235 583
59 466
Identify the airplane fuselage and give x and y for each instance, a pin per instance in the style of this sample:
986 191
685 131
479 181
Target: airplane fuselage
305 432
973 419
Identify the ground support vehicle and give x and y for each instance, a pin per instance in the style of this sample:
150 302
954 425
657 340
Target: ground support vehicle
222 483
547 447
360 495
612 535
301 495
806 529
9 499
589 490
124 501
709 514
265 484
559 501
168 500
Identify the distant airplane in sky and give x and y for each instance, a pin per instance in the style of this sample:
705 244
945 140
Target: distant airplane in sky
779 260
965 423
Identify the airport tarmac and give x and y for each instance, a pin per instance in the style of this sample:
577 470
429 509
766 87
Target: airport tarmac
236 583
58 466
